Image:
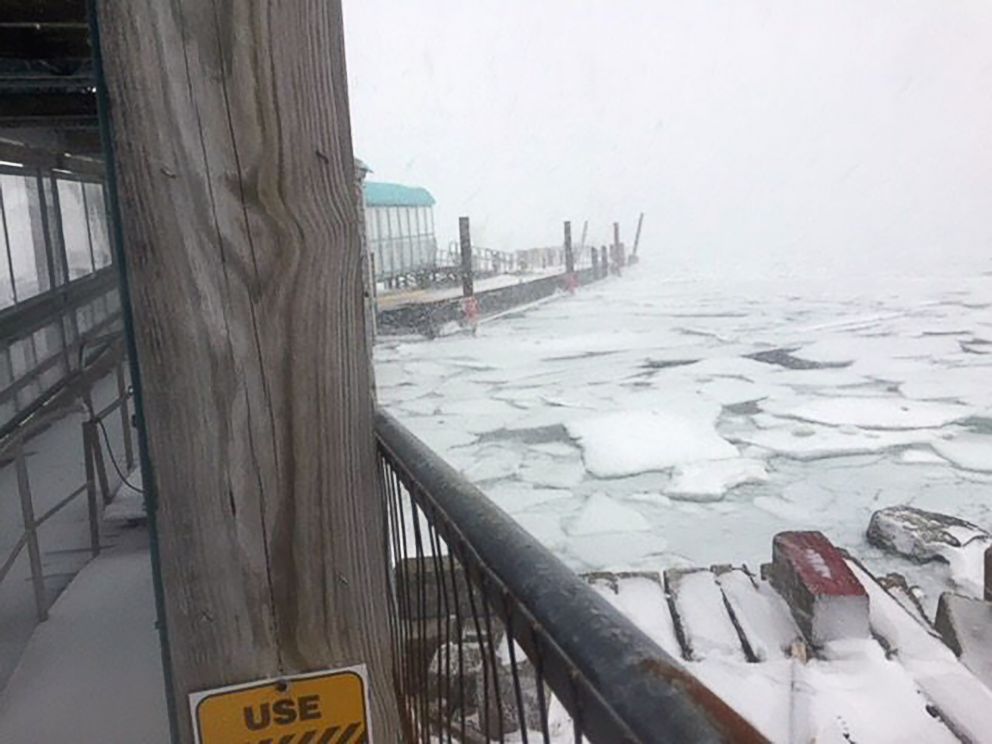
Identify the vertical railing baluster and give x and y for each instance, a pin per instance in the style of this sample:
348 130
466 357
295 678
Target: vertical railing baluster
511 644
542 703
492 655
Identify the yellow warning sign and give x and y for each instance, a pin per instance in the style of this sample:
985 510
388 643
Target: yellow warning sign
313 708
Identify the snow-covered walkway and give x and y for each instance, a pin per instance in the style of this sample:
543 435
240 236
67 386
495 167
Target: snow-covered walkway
92 672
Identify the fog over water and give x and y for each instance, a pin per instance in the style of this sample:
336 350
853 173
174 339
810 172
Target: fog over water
759 137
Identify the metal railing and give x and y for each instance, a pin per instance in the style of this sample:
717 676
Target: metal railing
75 396
495 639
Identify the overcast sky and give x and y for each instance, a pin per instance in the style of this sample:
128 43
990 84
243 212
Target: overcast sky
758 137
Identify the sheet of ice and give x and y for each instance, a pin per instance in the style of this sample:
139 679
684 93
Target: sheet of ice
872 413
601 514
971 452
515 497
635 441
811 441
549 472
705 481
916 456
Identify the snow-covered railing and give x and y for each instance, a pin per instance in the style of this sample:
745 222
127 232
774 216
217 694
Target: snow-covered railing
495 639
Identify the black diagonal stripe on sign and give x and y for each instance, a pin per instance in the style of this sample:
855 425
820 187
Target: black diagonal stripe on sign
349 732
328 734
287 739
363 737
308 736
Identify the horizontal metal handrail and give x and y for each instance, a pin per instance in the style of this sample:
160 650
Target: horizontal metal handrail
605 671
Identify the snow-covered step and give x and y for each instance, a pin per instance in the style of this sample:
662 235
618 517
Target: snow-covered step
762 615
960 698
707 628
641 597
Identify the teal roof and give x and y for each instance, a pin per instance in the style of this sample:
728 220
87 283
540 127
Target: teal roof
379 194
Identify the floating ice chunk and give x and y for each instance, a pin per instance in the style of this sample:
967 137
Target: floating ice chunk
969 451
809 442
631 442
601 514
552 473
730 391
781 508
515 497
921 457
648 497
708 481
492 463
555 449
872 413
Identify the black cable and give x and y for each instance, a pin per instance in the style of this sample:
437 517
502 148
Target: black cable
113 459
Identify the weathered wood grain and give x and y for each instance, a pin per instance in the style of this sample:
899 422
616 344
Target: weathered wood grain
235 169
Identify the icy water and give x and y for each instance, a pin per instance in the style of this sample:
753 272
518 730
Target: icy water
645 423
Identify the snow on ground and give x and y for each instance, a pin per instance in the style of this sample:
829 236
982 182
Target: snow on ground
699 418
92 672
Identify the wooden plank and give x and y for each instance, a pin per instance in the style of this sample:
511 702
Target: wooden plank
641 597
762 616
705 627
233 159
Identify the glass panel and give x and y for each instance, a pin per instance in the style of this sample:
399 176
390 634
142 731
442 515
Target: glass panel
74 231
47 343
25 234
96 209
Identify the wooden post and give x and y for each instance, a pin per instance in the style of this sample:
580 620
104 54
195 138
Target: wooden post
585 232
605 261
465 240
31 533
637 235
569 258
233 189
594 254
616 243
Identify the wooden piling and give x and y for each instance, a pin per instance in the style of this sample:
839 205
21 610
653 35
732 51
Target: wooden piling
230 147
569 257
465 242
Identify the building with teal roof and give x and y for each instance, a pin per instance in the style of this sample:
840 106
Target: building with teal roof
399 227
